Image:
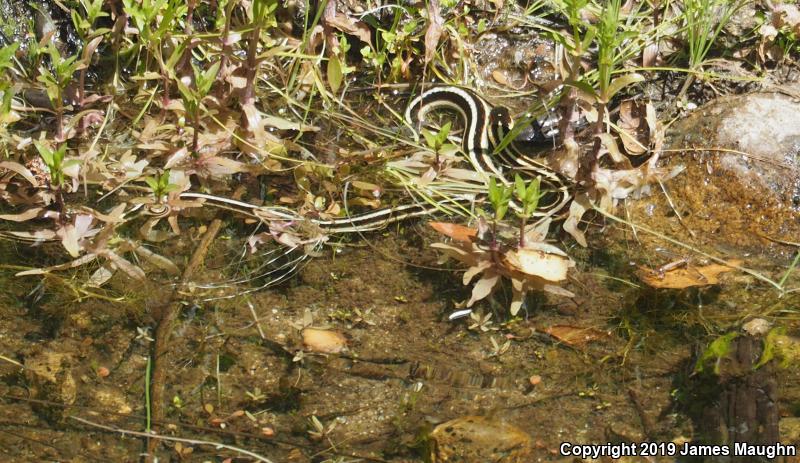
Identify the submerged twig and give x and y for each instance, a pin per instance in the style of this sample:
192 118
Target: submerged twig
163 332
217 445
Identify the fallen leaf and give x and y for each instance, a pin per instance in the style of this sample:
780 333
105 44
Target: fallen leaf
483 287
650 55
686 276
634 127
324 341
541 260
454 231
31 213
575 336
500 78
349 25
434 31
21 170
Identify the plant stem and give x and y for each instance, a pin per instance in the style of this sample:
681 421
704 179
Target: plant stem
227 50
252 66
522 223
589 160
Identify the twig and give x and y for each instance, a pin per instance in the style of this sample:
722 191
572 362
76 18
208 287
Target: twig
675 209
163 332
12 361
217 445
256 321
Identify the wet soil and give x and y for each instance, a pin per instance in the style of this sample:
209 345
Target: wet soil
239 374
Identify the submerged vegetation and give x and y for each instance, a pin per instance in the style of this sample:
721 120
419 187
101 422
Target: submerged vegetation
239 93
142 139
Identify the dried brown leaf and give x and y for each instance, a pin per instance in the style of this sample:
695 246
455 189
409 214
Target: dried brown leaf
455 231
21 170
350 26
483 287
434 31
31 213
575 336
686 276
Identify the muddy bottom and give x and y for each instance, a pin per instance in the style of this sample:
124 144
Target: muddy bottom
609 365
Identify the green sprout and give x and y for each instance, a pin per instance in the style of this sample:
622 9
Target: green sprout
56 78
193 96
6 82
54 160
705 20
529 197
437 142
160 185
499 196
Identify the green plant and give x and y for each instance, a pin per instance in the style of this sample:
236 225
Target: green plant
193 95
528 197
704 21
437 142
84 24
155 21
499 197
393 45
6 81
160 185
54 160
56 78
610 40
263 16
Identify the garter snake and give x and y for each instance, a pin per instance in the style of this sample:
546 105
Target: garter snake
483 141
485 128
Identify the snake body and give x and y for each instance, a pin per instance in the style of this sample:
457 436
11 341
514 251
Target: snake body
485 128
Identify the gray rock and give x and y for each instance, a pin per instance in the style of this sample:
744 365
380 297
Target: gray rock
740 191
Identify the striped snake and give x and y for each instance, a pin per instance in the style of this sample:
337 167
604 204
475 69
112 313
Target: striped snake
485 128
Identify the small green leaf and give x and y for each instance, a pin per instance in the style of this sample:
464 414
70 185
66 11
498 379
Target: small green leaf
152 183
163 180
334 73
45 152
621 82
716 350
591 32
206 79
585 88
520 187
441 136
6 53
430 138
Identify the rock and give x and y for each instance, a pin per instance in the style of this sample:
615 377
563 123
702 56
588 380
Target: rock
112 399
476 439
50 378
742 193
